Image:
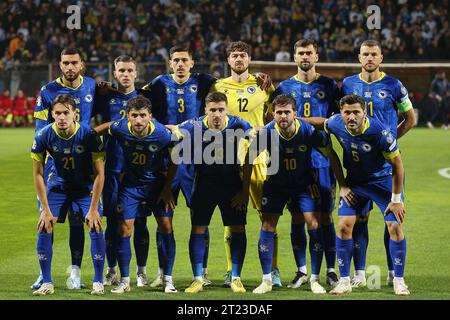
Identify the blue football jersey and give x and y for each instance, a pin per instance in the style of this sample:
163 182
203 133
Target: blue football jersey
144 157
384 97
72 157
294 154
113 107
317 98
172 102
222 146
365 154
83 95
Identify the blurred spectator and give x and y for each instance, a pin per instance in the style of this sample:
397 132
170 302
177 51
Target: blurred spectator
6 106
19 109
440 92
283 55
101 72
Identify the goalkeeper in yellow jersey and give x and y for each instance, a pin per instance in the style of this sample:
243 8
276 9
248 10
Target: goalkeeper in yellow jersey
248 101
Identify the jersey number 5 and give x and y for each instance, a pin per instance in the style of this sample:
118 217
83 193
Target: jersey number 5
243 102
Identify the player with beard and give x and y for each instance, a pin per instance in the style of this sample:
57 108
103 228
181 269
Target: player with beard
384 96
249 102
315 96
82 89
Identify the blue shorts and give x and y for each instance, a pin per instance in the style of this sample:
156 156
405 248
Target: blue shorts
275 199
378 191
110 193
141 201
206 197
61 199
326 182
184 181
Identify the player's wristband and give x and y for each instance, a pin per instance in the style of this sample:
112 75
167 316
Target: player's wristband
396 198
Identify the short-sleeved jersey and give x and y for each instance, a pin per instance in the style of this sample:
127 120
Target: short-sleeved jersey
173 102
317 98
72 156
294 154
245 99
222 146
364 154
113 107
384 97
83 95
144 157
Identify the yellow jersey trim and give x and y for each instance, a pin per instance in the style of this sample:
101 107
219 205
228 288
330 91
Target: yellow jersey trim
317 76
59 80
96 156
325 127
205 122
176 131
325 150
379 78
391 155
152 128
41 115
180 83
297 127
366 126
55 128
37 156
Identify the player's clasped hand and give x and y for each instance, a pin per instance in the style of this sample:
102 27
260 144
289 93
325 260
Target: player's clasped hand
240 200
398 209
46 221
347 194
94 221
263 80
167 197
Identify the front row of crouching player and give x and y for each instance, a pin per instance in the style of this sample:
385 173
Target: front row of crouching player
222 148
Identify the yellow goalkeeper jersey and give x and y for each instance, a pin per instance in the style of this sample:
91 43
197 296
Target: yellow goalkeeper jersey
245 99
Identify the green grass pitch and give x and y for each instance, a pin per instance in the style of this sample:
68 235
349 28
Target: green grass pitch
427 228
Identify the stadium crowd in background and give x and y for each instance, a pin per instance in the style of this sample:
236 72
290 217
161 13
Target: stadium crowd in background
35 31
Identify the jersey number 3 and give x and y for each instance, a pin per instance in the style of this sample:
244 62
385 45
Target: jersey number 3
181 103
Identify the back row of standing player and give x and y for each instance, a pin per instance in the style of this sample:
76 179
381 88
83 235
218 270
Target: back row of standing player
180 96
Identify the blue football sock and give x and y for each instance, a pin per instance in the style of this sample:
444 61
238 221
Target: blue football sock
168 249
98 254
141 240
387 239
398 256
298 241
205 257
196 253
76 243
158 248
315 250
45 254
329 244
124 256
111 240
265 250
361 241
344 249
238 250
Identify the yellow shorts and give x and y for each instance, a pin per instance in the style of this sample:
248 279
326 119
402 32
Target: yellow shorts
256 185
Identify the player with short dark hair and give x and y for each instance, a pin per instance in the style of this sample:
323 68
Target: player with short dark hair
217 183
374 173
83 90
292 183
385 97
145 144
316 96
77 153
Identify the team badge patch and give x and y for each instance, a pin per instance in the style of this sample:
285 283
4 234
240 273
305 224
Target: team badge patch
251 90
264 201
88 98
34 145
320 94
193 88
390 138
79 149
116 123
382 94
366 147
302 148
153 147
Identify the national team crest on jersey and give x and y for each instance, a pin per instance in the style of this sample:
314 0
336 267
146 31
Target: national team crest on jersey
302 148
320 94
88 98
366 147
382 94
193 88
251 89
79 149
153 147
